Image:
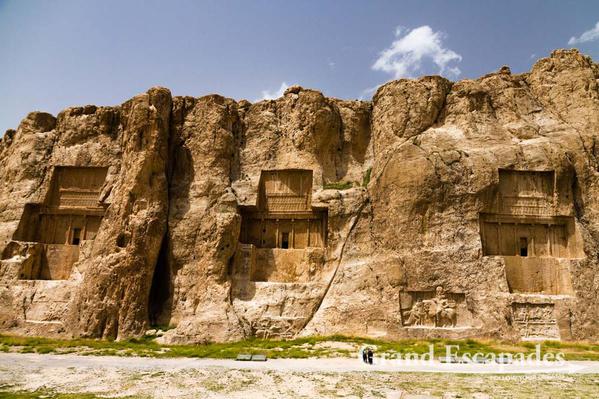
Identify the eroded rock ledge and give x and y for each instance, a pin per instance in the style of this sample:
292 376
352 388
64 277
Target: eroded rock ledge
439 209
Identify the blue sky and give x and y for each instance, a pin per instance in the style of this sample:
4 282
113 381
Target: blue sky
63 53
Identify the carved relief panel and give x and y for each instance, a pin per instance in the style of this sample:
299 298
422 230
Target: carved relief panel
526 192
434 309
535 321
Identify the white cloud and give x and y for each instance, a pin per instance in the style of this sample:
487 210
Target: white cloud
271 95
588 36
405 55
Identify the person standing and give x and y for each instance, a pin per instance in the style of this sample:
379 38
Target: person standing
370 356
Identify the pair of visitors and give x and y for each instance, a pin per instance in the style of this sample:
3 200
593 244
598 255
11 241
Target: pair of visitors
367 355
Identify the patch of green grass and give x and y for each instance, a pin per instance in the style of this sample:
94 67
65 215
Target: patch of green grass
366 178
44 349
296 348
340 185
109 352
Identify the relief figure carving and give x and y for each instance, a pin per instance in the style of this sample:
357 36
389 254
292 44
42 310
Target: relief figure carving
439 310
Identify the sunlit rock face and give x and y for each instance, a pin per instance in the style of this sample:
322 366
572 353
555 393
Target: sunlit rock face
438 209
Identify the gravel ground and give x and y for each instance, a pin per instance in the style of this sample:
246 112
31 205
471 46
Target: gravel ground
281 378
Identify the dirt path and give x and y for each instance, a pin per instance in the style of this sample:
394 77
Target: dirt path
281 378
292 365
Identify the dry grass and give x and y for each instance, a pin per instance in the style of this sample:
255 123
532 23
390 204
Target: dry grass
293 349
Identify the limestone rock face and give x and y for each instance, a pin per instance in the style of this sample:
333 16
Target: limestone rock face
203 222
438 209
113 297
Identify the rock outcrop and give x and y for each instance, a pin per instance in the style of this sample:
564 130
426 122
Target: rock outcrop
438 209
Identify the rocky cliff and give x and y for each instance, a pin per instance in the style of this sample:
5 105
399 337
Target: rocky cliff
438 209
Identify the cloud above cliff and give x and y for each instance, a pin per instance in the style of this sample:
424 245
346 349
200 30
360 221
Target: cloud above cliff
589 36
412 48
271 95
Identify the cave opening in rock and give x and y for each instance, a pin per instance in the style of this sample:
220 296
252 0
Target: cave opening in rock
160 291
121 240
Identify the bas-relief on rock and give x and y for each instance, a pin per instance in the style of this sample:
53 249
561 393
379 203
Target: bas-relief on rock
473 211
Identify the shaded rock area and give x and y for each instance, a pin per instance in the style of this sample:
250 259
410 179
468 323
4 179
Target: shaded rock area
438 209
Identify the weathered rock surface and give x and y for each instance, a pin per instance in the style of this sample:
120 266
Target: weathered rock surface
412 188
